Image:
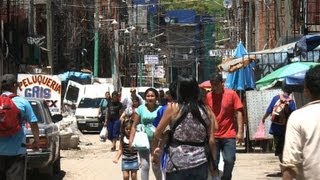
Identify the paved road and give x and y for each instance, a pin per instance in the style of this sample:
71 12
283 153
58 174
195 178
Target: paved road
95 162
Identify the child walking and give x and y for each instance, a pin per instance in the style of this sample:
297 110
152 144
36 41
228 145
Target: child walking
130 163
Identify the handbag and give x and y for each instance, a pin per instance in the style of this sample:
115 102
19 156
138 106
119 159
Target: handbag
149 130
260 133
140 140
103 133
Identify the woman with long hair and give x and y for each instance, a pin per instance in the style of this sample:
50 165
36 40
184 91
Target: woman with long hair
145 115
190 142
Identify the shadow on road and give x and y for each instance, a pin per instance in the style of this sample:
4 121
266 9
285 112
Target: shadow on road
275 174
40 176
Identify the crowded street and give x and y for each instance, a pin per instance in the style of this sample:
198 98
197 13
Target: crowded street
95 162
159 89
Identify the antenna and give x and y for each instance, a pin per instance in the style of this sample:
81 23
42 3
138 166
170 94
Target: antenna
227 4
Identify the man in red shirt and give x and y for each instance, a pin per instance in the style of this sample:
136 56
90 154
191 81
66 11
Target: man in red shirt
226 105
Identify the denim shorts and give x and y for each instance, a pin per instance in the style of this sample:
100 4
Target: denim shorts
129 165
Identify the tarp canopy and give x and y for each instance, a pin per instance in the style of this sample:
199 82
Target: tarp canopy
76 76
278 75
307 43
242 78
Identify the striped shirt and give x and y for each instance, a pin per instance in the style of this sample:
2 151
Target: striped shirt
127 154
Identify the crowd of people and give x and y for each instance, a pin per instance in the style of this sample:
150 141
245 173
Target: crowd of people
176 151
187 129
194 126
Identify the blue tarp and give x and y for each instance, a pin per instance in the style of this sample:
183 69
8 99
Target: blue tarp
183 16
74 75
243 78
296 79
152 5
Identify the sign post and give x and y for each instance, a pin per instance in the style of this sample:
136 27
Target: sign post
153 60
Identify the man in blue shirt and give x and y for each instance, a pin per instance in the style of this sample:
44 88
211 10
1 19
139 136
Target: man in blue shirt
277 130
13 153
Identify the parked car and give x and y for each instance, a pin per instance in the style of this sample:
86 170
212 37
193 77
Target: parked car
88 114
47 158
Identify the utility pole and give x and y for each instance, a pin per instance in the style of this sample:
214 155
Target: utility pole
138 53
288 17
49 36
96 39
249 42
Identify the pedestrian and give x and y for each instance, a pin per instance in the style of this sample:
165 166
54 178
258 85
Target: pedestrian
129 160
171 97
190 142
112 119
162 99
13 153
145 115
103 106
227 107
278 130
301 157
129 111
127 101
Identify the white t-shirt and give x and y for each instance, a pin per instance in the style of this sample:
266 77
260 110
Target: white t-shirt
301 148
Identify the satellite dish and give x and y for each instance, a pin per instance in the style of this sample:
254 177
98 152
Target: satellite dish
267 2
227 4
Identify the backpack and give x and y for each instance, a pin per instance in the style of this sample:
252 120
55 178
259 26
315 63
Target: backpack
172 141
281 111
9 116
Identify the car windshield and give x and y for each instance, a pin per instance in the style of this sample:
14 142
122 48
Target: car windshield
36 109
90 103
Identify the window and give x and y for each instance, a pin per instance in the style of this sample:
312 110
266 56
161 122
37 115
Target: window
90 103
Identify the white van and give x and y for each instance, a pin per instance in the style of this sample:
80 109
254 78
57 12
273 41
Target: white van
87 98
88 114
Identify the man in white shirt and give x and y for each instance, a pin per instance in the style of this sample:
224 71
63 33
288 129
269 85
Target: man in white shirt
301 157
127 101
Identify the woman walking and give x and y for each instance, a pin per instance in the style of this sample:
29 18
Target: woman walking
190 142
145 115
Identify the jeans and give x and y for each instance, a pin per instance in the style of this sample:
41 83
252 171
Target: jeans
228 149
113 127
145 166
196 173
13 167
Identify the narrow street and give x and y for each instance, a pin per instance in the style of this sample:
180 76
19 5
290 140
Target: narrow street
95 162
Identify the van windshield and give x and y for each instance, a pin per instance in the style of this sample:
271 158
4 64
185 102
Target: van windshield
90 103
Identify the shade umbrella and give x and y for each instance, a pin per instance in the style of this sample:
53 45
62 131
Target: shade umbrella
278 75
243 78
296 79
205 84
307 43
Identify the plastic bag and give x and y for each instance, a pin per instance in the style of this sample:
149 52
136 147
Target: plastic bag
104 133
150 130
260 133
140 140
